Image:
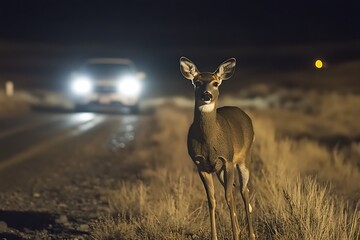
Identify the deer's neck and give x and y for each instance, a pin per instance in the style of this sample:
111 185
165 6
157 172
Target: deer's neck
205 121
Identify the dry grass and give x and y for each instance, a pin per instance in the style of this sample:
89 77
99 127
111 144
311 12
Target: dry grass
292 198
300 188
19 103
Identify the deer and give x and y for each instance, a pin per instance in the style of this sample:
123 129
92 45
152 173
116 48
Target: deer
219 141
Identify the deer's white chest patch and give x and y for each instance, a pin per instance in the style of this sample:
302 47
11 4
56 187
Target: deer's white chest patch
207 107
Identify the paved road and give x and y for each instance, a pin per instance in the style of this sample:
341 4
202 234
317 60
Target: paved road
56 169
30 144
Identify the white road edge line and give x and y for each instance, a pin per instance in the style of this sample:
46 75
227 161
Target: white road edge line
79 129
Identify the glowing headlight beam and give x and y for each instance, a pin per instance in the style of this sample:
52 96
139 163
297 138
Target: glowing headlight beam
130 86
81 85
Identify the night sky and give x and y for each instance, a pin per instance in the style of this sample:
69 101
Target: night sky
41 41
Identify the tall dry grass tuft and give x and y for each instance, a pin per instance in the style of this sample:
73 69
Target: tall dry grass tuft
298 188
130 199
305 210
291 203
307 157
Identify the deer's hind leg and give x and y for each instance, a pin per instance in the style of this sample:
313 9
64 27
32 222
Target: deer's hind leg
244 175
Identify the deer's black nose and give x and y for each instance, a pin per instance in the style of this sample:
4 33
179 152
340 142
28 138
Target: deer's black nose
206 96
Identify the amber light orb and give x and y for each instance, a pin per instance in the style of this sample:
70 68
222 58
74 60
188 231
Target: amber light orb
319 64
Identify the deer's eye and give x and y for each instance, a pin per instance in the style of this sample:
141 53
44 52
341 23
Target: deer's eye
197 83
215 84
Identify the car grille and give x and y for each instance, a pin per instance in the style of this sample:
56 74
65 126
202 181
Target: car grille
105 89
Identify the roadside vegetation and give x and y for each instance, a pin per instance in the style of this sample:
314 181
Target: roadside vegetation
15 104
304 185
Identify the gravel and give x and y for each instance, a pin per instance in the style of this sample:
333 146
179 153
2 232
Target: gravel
65 204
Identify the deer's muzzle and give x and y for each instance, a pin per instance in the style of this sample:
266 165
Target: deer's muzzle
206 97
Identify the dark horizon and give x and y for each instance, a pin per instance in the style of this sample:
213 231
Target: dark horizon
180 22
42 40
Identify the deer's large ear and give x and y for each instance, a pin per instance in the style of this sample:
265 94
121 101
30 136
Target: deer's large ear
188 68
226 69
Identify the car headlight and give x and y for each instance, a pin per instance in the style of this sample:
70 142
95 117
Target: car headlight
81 85
130 86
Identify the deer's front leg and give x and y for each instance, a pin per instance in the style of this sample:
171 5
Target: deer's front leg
228 182
207 180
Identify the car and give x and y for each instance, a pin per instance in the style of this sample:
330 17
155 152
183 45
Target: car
107 82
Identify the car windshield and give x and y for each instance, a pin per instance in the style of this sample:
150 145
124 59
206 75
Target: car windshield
107 69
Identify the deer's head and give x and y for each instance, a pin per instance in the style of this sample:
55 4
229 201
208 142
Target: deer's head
207 84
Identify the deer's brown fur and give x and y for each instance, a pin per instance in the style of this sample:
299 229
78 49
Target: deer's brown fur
219 140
